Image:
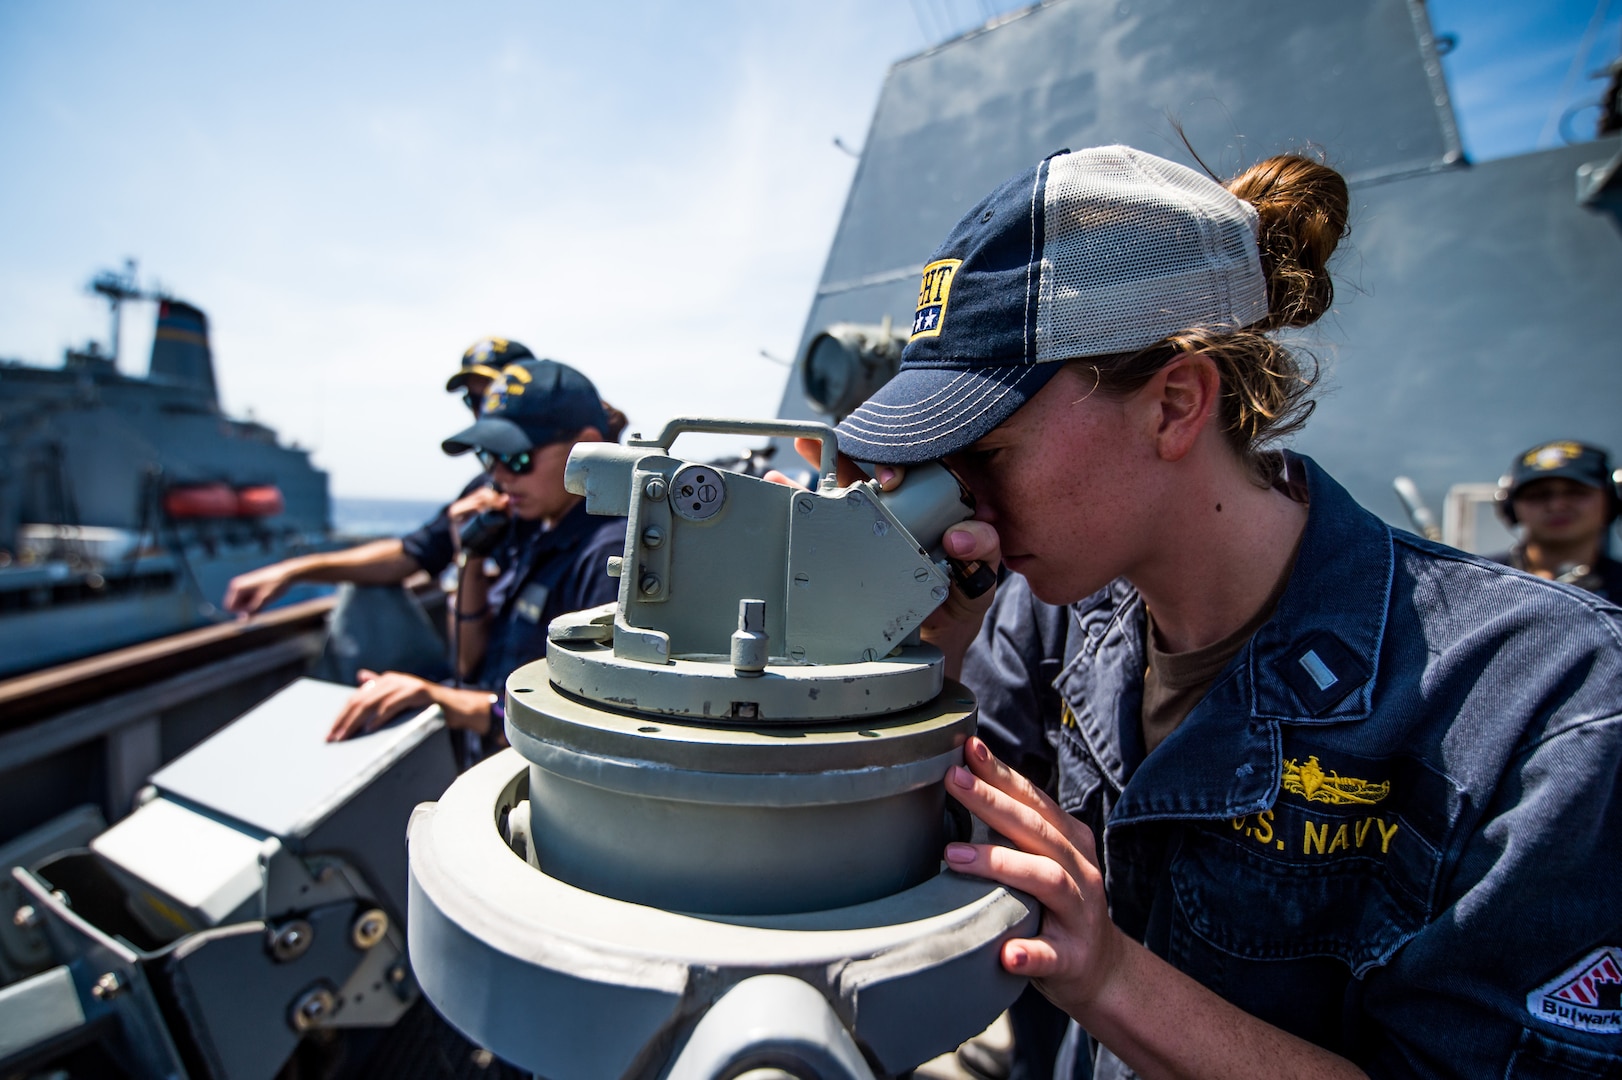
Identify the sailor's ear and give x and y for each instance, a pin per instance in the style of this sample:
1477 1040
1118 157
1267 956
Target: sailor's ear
1181 400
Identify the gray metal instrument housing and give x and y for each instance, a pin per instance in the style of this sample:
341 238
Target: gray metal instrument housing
734 819
254 888
715 844
846 574
572 984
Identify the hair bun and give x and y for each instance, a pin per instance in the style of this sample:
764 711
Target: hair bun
1302 206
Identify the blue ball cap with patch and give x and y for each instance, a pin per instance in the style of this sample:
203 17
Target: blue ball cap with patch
485 359
1093 253
532 403
1564 459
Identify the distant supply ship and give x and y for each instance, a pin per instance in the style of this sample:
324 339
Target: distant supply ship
128 503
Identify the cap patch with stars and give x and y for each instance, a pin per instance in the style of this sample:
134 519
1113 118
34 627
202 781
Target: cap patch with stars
933 293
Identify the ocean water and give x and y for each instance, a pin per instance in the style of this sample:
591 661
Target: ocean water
371 518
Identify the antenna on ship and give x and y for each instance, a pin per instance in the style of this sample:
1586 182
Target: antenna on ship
117 288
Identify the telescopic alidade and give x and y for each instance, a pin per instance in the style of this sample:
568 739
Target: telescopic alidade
715 844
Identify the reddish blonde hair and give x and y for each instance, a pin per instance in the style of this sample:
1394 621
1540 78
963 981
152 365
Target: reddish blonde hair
1302 205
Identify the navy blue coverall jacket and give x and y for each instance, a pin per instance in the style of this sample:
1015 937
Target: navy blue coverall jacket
545 573
1391 827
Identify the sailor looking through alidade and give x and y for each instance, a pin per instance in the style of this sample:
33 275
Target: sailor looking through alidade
1299 794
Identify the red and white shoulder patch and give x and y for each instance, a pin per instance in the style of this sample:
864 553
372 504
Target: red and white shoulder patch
1585 997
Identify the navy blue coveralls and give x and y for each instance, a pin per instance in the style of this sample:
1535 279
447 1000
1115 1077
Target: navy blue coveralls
546 573
1392 826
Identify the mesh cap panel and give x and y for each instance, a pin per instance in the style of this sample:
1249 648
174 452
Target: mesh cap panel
1137 248
1101 251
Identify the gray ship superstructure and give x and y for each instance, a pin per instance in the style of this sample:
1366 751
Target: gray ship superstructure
128 503
1475 311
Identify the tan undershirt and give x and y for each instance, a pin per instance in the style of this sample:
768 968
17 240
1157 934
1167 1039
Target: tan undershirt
1175 682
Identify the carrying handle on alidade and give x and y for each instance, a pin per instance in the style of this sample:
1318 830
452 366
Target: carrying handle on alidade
777 429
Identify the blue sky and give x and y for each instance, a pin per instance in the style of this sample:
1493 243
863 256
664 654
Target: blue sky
1517 72
355 192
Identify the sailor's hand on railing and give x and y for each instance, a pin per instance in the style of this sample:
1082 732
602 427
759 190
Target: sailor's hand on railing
248 593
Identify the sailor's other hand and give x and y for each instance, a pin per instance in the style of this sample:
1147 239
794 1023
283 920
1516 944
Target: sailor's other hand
847 471
380 699
952 627
249 592
968 542
1054 859
476 502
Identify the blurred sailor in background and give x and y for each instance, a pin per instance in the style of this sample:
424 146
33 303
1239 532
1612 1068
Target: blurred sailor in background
389 562
533 555
1563 497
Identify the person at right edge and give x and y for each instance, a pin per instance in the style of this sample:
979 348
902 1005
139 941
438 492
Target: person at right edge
1300 795
1563 497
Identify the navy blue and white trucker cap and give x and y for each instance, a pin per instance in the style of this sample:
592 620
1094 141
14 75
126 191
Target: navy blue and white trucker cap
1092 253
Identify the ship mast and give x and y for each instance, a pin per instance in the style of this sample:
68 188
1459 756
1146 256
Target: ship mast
117 288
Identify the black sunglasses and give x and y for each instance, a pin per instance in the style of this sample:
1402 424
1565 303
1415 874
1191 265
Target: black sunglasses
518 464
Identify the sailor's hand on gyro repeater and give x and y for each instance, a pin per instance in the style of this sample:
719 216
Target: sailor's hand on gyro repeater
1055 860
379 699
847 472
